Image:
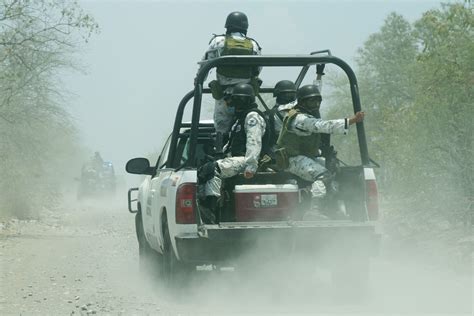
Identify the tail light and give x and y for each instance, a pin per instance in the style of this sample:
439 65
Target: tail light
185 203
372 200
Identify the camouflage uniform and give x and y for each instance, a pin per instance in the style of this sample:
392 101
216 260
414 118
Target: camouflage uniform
224 115
255 128
283 109
310 168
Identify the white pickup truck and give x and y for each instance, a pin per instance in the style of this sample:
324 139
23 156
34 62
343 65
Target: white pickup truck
266 208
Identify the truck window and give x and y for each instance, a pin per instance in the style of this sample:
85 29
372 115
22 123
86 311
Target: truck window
204 147
164 154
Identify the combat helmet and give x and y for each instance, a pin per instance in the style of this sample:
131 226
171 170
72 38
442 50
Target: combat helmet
284 91
237 21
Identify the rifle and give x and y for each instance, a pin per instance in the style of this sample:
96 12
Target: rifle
329 154
331 163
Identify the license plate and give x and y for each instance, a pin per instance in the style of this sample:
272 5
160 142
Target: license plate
268 200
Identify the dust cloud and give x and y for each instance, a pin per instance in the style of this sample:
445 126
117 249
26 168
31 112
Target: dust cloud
290 284
82 258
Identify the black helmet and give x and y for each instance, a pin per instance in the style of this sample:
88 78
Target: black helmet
305 99
308 91
243 90
243 96
284 86
237 21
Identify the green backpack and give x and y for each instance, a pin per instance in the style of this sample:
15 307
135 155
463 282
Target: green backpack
234 46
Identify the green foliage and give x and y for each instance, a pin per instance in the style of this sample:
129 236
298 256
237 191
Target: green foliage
417 85
445 68
387 60
37 39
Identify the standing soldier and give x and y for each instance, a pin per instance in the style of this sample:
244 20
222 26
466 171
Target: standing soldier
300 138
233 42
248 142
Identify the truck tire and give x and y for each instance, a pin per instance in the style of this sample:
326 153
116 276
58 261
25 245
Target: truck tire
174 273
146 255
170 269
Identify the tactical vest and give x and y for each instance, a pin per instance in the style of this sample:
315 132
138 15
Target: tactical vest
238 136
297 145
234 46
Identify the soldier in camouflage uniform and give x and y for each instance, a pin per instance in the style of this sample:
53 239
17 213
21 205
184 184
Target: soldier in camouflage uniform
234 42
248 141
299 140
285 99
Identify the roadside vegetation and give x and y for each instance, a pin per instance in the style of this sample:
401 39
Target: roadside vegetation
38 39
416 85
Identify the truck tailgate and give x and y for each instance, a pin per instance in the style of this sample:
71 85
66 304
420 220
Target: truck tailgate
227 240
251 230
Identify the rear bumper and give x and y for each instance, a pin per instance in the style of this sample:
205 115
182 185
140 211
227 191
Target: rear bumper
228 241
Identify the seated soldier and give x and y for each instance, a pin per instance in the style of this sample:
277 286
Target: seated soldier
299 142
285 99
248 141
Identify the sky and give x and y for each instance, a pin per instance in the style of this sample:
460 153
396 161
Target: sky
143 61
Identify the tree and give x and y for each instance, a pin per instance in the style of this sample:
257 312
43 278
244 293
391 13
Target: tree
445 68
417 85
37 38
385 75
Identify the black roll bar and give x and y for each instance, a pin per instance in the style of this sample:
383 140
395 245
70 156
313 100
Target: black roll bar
305 69
271 61
176 128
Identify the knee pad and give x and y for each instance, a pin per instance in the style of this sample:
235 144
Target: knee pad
319 189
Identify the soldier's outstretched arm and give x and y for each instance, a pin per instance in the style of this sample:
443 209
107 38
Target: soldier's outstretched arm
305 124
254 128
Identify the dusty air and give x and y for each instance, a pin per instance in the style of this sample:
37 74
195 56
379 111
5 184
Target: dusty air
196 158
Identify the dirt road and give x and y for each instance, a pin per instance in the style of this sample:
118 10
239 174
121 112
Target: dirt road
83 260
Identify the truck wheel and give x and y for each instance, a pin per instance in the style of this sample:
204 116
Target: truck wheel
145 253
351 279
170 263
174 273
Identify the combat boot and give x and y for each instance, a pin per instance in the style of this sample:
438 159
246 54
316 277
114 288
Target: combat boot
332 207
207 209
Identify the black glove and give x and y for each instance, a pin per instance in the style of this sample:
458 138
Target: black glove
320 69
207 171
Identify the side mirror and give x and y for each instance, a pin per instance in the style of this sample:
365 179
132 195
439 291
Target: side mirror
139 166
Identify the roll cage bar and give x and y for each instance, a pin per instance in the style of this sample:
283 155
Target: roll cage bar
304 61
